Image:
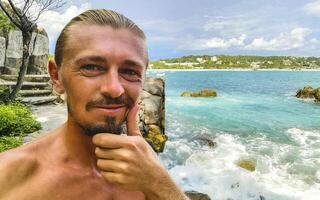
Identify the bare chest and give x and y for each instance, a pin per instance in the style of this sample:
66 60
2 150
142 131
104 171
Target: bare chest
71 185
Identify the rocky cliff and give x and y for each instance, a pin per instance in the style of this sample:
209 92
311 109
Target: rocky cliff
152 113
11 52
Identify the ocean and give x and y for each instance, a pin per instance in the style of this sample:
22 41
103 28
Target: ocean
255 118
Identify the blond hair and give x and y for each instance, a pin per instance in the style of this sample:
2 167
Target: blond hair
101 17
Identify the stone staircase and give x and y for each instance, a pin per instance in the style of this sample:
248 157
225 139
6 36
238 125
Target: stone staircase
36 89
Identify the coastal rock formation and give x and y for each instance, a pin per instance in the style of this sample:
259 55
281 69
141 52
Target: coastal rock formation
306 92
152 113
317 95
247 164
206 140
309 93
11 52
193 195
202 93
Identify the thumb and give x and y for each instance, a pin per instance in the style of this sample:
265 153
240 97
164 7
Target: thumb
132 125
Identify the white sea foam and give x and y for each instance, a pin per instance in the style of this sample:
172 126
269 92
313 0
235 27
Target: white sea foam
160 74
283 171
305 138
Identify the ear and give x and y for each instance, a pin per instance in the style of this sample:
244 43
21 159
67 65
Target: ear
55 77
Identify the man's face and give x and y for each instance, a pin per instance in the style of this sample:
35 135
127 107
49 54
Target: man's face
102 74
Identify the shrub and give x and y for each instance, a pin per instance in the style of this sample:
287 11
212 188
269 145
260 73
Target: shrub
4 94
9 142
15 119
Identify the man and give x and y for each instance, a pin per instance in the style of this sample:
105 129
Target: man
100 63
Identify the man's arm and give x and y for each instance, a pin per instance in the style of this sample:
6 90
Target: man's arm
130 163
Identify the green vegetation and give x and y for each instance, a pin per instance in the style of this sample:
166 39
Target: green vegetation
9 142
5 23
16 121
4 94
237 62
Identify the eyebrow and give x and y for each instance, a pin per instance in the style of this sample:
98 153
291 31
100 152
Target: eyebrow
96 59
101 59
133 63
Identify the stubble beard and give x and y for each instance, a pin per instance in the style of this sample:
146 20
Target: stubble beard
110 126
110 123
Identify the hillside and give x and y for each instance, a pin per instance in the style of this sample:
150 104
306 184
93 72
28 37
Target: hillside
237 62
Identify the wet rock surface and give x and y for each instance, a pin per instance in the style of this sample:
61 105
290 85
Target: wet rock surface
202 93
194 195
309 93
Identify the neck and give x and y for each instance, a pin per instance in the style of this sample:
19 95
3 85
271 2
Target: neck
79 149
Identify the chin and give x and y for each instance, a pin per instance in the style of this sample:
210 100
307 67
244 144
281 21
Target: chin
110 125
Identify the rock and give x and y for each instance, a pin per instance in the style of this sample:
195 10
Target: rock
316 94
2 52
306 92
13 53
156 138
3 32
154 86
163 120
38 64
39 58
39 46
206 140
39 100
193 195
144 94
152 110
202 93
247 164
151 113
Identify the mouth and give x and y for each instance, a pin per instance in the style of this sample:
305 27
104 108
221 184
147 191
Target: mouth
111 108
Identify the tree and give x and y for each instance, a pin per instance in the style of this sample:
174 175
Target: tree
24 14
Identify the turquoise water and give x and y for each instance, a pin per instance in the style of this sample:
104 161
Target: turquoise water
255 117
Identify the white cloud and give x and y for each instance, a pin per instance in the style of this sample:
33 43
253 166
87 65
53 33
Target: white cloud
285 41
53 21
214 43
233 23
163 26
313 8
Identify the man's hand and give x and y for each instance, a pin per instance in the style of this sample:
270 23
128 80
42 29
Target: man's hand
129 162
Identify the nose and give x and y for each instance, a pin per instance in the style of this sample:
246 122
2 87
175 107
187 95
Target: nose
111 84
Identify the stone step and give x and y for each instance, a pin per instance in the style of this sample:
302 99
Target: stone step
29 93
29 78
39 100
28 85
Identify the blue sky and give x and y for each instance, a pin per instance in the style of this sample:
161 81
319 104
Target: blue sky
230 27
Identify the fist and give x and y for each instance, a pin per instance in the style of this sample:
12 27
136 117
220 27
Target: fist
128 161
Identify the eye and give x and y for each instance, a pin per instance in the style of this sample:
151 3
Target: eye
131 74
92 70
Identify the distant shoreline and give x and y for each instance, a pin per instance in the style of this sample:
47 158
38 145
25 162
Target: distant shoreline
236 69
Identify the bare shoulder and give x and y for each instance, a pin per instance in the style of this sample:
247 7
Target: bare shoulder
16 167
